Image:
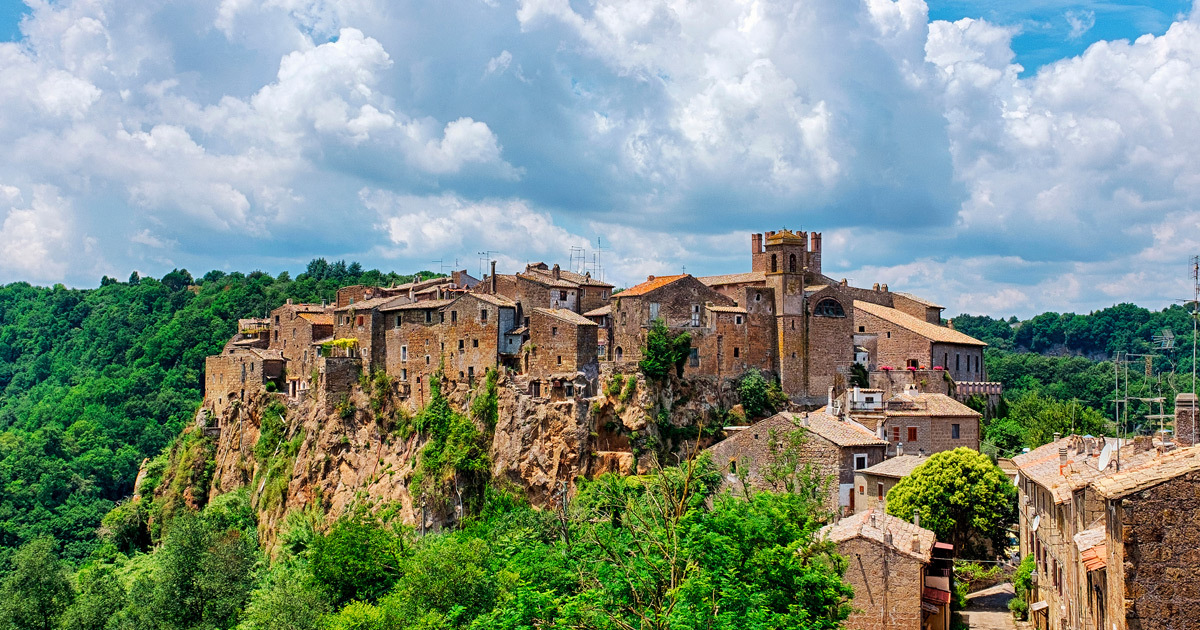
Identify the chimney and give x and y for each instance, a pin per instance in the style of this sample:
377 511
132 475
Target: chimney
649 278
756 243
916 543
1057 436
1062 456
916 517
883 288
950 323
875 287
899 449
804 420
493 277
289 300
456 278
843 282
873 523
814 257
556 272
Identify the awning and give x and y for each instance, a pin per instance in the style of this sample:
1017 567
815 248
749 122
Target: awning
1095 558
1036 606
929 608
935 596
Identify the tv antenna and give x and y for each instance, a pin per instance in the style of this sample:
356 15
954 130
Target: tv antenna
484 258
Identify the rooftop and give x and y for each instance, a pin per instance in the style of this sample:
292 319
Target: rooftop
424 304
652 284
566 315
726 309
926 404
599 312
933 332
885 529
896 467
786 236
918 300
751 277
319 319
1149 473
840 432
569 276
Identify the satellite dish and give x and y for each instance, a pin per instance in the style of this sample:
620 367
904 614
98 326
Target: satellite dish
1105 455
1037 520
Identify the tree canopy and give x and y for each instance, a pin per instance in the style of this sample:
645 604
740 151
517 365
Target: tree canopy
962 497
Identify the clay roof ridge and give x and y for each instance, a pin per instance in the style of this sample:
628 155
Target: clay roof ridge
652 284
566 315
930 331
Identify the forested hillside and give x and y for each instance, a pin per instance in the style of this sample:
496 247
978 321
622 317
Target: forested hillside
94 380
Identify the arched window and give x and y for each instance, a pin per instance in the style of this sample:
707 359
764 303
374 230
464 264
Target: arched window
774 264
620 353
792 263
829 307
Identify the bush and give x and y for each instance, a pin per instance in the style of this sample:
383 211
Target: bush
664 351
752 391
1019 608
630 388
614 385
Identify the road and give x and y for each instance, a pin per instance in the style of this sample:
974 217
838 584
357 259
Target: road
988 609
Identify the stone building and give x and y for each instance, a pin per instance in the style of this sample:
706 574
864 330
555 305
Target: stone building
1143 575
900 574
922 423
295 328
562 353
905 341
1062 511
238 372
678 300
872 484
835 449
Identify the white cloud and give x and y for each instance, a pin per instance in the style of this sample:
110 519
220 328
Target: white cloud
1080 22
34 241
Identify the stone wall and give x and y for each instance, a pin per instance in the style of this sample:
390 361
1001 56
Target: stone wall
337 376
1157 530
887 586
962 363
472 339
561 346
866 491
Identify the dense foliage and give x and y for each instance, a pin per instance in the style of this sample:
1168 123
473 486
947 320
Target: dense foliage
658 551
92 381
962 497
664 351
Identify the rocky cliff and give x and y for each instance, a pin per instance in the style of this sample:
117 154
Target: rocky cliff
294 455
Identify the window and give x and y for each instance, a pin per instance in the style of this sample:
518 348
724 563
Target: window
889 334
879 491
359 321
733 466
860 461
895 434
792 263
736 350
622 319
957 362
560 359
554 331
293 333
912 363
403 353
399 319
453 316
694 357
427 359
461 344
483 312
562 295
604 294
276 320
945 359
954 431
474 343
862 489
428 317
862 329
569 389
758 297
276 335
695 315
737 319
912 434
620 353
442 317
404 374
774 263
653 311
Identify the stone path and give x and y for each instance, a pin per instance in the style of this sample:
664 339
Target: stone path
987 609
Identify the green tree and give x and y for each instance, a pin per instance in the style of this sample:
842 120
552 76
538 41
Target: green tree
664 351
289 598
37 591
960 495
359 559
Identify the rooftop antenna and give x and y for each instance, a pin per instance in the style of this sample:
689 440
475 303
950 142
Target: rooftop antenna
599 250
484 257
578 259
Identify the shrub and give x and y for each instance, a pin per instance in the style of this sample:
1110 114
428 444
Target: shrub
752 390
614 385
630 388
1019 608
664 351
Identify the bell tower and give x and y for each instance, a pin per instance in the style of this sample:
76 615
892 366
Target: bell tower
785 261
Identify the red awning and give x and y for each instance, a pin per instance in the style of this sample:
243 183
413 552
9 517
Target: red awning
935 596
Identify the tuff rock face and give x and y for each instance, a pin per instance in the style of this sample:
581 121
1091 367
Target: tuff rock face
350 458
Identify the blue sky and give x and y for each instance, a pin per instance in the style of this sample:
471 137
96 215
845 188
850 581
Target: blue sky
998 157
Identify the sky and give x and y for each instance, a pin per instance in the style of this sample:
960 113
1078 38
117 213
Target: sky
1001 158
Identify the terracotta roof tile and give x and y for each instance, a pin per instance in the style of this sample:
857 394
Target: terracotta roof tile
650 285
896 467
752 277
840 432
599 312
1149 473
919 300
566 315
318 319
926 404
933 332
726 309
874 524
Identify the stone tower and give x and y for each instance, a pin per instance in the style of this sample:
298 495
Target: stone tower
784 261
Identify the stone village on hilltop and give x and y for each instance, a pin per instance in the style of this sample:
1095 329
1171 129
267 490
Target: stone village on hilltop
1095 527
